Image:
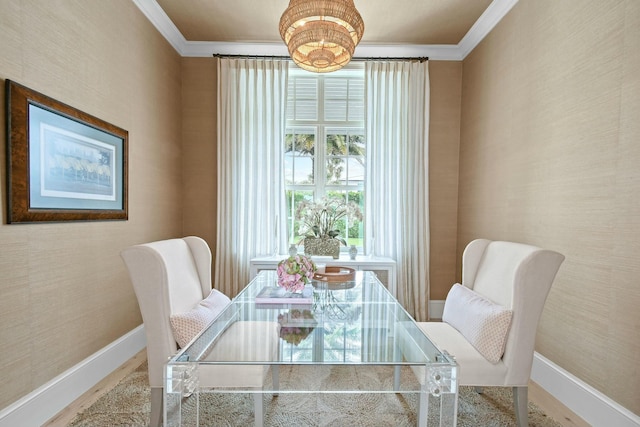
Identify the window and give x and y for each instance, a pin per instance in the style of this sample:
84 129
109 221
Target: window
325 144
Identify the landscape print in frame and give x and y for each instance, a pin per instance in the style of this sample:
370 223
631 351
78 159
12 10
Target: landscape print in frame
63 164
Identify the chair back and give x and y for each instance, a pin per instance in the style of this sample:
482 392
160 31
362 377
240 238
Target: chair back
168 276
519 277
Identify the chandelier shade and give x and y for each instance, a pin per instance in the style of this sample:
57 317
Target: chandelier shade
321 35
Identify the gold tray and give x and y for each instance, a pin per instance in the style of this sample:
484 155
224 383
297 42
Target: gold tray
335 274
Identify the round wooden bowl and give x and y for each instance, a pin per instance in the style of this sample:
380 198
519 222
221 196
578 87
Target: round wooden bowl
335 274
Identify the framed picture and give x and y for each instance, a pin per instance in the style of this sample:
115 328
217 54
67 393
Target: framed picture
62 164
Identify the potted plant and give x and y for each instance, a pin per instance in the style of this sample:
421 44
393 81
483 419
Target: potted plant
320 224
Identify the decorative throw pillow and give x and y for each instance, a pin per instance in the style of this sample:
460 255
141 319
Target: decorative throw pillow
482 322
186 326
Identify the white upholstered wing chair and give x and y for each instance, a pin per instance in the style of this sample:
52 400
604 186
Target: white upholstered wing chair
503 277
172 277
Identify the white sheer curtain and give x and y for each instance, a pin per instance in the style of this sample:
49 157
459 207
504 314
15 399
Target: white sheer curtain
397 204
251 124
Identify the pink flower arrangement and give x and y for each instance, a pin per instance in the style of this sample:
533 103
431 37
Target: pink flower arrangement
295 272
296 325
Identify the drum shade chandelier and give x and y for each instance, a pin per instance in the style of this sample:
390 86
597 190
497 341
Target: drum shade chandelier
321 35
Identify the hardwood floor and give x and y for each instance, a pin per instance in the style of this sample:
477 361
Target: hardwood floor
65 416
551 406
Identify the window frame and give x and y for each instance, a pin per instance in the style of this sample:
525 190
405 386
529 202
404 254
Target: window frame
323 127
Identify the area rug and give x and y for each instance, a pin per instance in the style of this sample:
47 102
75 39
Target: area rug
127 404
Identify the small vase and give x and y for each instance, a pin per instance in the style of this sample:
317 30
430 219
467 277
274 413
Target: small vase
353 251
293 250
300 285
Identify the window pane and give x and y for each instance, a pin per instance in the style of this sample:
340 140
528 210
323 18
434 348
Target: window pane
336 170
356 226
288 168
303 170
299 155
305 144
356 145
336 149
298 170
355 170
336 144
293 226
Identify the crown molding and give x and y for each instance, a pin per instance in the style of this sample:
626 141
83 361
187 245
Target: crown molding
487 21
203 49
156 15
483 26
443 52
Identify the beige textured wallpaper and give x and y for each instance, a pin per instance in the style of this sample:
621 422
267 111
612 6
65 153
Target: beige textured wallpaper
444 143
199 156
550 155
64 291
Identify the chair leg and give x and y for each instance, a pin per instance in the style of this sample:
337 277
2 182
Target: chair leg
520 400
258 409
156 407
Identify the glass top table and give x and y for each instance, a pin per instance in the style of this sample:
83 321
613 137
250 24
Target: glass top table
344 333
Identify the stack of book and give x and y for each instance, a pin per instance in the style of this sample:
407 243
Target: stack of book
272 295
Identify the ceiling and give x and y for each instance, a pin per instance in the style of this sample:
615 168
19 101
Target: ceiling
440 29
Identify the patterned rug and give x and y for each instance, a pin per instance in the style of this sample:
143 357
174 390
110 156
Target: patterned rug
127 404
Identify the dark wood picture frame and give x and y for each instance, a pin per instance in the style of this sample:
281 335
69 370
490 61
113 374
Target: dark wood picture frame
62 164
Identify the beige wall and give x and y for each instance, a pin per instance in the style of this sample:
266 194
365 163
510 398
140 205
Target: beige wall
444 144
550 155
64 291
199 157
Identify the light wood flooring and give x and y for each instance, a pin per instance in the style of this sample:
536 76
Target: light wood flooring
551 406
65 416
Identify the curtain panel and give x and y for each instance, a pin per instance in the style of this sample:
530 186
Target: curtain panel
251 125
397 184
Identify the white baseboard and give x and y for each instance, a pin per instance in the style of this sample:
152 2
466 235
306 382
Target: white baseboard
585 401
46 401
436 308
